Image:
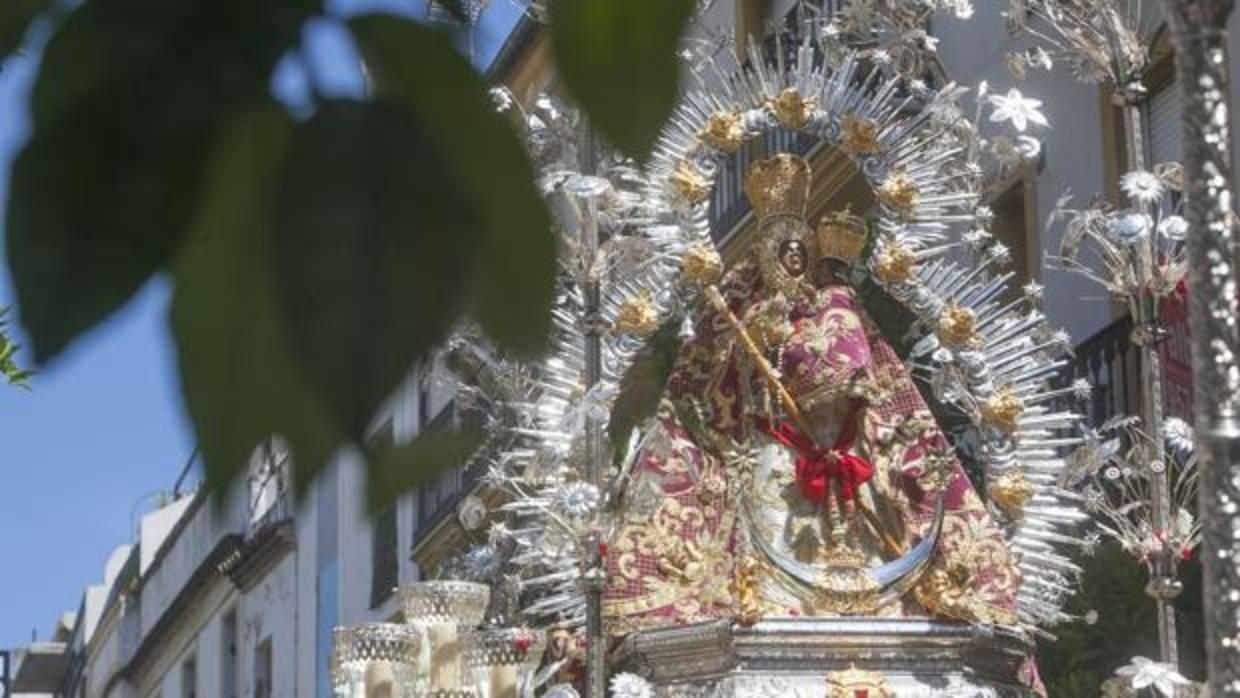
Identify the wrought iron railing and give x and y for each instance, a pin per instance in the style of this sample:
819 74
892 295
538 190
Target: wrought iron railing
1112 365
277 512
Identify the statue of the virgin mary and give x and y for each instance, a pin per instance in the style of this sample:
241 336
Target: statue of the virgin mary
794 469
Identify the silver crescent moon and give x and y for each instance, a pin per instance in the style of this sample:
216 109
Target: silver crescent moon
891 579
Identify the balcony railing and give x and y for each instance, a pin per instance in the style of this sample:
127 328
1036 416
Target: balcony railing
270 499
278 512
1112 365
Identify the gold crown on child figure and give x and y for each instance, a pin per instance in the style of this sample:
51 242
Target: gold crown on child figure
841 236
778 186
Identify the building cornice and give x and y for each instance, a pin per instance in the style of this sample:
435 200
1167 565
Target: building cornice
211 568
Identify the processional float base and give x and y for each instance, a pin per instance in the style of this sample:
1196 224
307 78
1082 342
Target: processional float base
831 658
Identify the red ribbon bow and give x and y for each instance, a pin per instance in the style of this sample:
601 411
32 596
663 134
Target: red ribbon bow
817 467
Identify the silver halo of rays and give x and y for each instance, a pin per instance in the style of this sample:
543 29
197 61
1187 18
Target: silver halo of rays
1016 349
535 455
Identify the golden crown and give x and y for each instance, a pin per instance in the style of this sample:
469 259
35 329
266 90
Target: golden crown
778 186
841 236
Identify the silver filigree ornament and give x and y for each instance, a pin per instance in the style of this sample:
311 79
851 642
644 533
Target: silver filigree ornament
1137 252
629 685
1099 40
1114 474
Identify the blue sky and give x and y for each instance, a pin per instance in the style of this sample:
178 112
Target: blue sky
103 428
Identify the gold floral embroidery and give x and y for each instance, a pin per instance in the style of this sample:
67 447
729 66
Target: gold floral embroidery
956 586
681 551
691 564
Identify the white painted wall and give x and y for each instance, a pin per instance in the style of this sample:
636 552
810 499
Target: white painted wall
156 526
295 605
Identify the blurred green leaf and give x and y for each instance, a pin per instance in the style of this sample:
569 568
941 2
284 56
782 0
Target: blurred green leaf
618 59
129 98
15 18
240 380
396 470
642 385
374 239
514 261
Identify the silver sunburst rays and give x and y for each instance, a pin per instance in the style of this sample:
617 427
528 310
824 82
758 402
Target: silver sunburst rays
609 238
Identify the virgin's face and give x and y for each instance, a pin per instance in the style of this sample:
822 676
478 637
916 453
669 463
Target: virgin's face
793 257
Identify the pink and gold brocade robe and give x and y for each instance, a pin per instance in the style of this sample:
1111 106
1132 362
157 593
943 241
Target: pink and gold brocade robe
673 558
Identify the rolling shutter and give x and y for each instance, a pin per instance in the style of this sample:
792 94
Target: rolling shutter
1164 124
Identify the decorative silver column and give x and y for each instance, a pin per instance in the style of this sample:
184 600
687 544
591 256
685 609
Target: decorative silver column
1198 30
595 446
1147 335
1109 40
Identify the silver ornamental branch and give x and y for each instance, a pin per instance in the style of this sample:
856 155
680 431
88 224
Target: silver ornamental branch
1199 34
1105 40
1147 335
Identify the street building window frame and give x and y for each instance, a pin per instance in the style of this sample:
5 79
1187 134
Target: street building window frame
264 669
1015 223
385 532
1159 80
189 676
230 655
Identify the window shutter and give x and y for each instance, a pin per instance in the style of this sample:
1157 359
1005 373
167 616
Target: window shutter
1164 117
385 566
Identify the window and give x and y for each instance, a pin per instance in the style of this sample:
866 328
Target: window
1160 114
385 564
267 478
1009 227
228 656
263 669
1164 134
384 553
189 678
